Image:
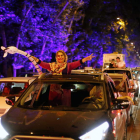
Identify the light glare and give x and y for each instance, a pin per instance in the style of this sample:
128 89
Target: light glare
98 133
3 133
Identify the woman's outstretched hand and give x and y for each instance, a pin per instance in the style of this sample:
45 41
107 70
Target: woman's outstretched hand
88 58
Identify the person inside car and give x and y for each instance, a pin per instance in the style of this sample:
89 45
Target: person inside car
121 87
55 94
95 97
120 64
6 91
25 86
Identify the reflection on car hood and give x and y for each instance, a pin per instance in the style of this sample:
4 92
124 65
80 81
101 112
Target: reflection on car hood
53 123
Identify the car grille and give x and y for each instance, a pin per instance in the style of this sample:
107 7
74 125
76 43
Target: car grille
2 111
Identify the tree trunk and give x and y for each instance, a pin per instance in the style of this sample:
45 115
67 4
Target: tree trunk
43 47
18 36
22 22
72 20
4 71
67 3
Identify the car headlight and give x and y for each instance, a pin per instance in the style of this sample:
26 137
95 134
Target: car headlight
97 133
3 133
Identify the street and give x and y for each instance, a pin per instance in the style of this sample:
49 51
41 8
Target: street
134 128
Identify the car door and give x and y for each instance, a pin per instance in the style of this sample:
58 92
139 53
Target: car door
119 116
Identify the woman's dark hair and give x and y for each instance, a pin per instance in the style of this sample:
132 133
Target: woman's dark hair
113 59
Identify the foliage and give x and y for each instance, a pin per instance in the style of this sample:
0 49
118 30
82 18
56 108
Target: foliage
79 27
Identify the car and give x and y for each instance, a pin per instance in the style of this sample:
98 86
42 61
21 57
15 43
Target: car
132 81
16 86
123 89
77 106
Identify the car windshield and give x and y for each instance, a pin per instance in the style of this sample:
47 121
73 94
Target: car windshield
12 88
64 96
119 71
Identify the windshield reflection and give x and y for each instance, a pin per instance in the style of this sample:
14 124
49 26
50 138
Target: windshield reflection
64 96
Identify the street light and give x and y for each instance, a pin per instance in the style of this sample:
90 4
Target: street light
131 43
118 18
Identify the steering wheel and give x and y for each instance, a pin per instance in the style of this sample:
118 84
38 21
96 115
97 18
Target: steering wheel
90 100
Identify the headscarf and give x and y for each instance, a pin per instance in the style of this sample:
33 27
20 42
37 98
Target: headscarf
56 67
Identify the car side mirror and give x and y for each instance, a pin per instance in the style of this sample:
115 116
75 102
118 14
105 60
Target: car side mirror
120 104
10 100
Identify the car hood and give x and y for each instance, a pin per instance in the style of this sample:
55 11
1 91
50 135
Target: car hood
52 123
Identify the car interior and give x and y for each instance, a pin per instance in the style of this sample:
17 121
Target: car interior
64 94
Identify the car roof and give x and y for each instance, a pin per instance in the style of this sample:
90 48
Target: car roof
17 79
115 75
75 77
117 69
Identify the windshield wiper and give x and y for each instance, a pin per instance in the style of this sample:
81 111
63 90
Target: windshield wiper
70 109
45 107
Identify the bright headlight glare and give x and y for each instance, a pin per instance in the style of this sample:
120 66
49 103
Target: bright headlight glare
3 133
97 133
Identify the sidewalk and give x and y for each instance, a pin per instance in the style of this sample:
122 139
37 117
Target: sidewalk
135 135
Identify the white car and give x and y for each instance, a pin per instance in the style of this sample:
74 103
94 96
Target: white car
16 85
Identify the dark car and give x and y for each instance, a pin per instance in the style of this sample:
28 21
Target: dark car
79 107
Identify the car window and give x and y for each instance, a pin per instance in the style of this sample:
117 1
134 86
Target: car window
117 82
64 95
12 88
111 91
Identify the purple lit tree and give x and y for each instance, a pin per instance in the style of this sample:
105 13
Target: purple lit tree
8 20
47 33
79 27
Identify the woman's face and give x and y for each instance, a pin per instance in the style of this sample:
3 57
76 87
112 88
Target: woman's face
60 57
